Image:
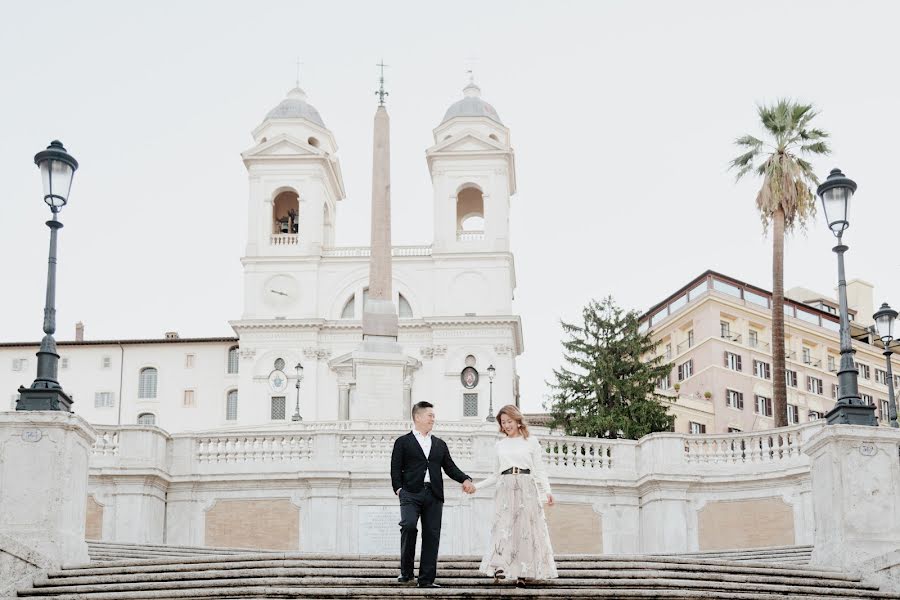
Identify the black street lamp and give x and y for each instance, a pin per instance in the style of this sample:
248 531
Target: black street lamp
491 372
836 192
884 327
297 416
57 169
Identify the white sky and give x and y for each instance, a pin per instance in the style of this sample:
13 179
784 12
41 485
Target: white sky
622 117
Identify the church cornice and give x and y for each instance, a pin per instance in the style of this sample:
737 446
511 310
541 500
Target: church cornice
304 153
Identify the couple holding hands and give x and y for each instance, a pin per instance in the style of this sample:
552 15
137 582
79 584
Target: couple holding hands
520 543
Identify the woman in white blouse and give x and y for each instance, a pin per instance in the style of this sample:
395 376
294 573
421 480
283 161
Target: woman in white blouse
520 543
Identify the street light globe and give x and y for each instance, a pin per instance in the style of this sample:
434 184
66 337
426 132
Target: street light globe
57 170
836 192
884 323
491 372
299 369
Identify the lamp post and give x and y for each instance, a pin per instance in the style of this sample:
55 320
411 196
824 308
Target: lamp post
57 169
884 327
297 416
836 192
491 372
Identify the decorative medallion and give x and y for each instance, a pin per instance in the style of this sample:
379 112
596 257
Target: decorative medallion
278 381
469 377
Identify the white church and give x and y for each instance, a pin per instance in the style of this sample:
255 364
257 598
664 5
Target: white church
304 297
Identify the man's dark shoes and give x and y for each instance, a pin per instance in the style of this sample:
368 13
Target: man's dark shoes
403 579
428 585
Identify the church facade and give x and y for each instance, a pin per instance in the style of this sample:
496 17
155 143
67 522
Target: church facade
304 297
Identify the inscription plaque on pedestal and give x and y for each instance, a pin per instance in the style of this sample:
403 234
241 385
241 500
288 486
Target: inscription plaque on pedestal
379 530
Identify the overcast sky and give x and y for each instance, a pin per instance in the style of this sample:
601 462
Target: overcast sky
622 116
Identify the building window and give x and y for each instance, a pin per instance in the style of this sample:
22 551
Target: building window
867 399
668 351
349 310
814 415
793 414
881 376
884 410
831 361
232 360
63 363
762 369
690 338
835 390
470 405
103 400
146 419
732 361
107 362
763 406
404 310
664 382
231 406
814 385
734 430
725 330
734 399
278 408
790 378
806 353
19 364
753 338
685 370
189 401
147 383
696 428
864 371
188 361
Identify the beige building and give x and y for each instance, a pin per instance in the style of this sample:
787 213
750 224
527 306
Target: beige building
716 331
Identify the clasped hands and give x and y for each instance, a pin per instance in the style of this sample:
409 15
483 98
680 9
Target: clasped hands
468 487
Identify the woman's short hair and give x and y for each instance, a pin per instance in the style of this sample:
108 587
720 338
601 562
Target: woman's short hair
511 411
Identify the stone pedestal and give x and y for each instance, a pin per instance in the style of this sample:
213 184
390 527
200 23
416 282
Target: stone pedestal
43 482
855 474
379 369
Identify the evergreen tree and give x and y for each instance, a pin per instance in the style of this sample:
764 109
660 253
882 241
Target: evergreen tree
607 385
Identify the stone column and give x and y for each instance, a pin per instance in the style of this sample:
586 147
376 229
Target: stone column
43 482
855 473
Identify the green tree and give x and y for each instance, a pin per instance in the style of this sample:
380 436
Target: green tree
607 385
785 200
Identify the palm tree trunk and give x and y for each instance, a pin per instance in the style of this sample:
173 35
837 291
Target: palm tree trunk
779 395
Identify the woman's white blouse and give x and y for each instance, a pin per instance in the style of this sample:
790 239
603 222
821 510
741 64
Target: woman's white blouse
522 453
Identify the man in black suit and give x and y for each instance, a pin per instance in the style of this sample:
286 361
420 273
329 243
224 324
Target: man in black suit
416 464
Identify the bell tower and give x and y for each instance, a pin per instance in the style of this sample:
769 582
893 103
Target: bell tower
295 184
473 176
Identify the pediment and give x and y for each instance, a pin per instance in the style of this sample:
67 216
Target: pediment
283 145
468 142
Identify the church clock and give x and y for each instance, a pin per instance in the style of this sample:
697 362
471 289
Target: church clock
280 291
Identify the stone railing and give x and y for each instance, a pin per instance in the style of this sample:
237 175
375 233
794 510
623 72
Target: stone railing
364 251
367 446
283 239
750 447
469 236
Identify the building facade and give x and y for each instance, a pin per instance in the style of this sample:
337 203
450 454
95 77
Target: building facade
716 332
304 297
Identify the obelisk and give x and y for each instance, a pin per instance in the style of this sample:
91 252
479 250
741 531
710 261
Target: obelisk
379 312
379 364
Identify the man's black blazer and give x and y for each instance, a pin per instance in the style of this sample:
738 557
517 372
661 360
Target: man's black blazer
408 464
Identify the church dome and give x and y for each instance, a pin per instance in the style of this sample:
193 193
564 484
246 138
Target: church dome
471 106
295 106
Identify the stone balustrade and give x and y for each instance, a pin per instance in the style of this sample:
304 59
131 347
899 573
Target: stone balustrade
366 251
283 239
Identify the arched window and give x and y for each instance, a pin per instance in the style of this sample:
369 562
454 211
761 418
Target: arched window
147 383
349 308
285 212
146 419
231 406
313 142
404 308
232 360
470 213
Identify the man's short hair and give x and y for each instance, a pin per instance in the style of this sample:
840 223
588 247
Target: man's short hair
420 406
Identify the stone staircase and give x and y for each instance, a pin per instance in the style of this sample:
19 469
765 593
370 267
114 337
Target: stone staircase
126 572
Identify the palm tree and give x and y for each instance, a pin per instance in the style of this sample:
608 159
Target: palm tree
786 199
